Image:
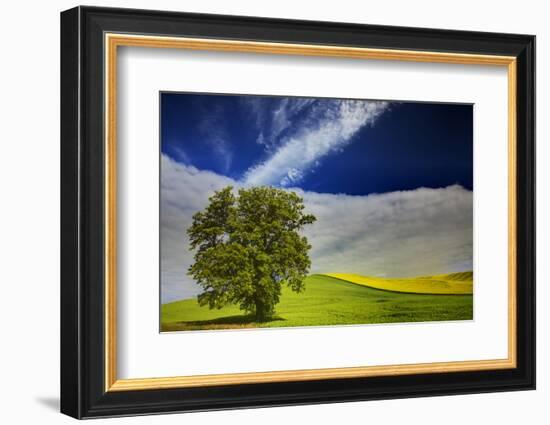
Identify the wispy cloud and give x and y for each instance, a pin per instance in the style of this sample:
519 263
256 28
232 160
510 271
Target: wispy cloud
180 155
298 133
213 127
274 117
405 233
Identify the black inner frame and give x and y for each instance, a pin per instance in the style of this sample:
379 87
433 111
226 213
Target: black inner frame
82 207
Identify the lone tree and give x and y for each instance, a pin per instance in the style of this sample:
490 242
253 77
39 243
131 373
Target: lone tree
249 246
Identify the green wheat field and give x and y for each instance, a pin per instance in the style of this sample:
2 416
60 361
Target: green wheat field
341 299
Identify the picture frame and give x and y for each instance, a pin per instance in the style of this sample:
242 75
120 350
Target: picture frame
90 40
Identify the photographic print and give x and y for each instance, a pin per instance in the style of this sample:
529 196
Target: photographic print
281 211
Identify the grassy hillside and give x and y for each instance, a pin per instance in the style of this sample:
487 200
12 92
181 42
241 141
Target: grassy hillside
448 284
326 301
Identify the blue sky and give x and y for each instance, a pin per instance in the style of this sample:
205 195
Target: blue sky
389 182
402 146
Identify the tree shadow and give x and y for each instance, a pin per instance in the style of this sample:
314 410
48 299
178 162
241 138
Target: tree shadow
247 319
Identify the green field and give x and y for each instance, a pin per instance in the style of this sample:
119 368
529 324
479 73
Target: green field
332 301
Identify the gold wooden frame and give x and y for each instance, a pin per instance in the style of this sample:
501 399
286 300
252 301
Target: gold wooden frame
113 41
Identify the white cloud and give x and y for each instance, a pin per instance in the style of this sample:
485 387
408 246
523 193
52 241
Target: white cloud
184 191
407 233
417 232
326 127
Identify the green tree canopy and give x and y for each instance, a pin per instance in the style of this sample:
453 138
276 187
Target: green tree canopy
249 246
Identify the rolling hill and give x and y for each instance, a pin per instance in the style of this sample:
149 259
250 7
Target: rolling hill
330 300
445 284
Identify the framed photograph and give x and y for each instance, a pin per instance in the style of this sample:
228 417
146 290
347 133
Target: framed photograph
261 212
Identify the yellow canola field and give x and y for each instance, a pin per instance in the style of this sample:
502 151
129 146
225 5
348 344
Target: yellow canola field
449 284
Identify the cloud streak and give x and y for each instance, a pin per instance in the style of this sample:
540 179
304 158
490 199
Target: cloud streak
303 131
213 128
417 232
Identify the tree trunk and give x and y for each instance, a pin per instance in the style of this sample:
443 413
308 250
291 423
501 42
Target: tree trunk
261 313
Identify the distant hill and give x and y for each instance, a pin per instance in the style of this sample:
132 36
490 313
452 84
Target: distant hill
445 284
460 276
